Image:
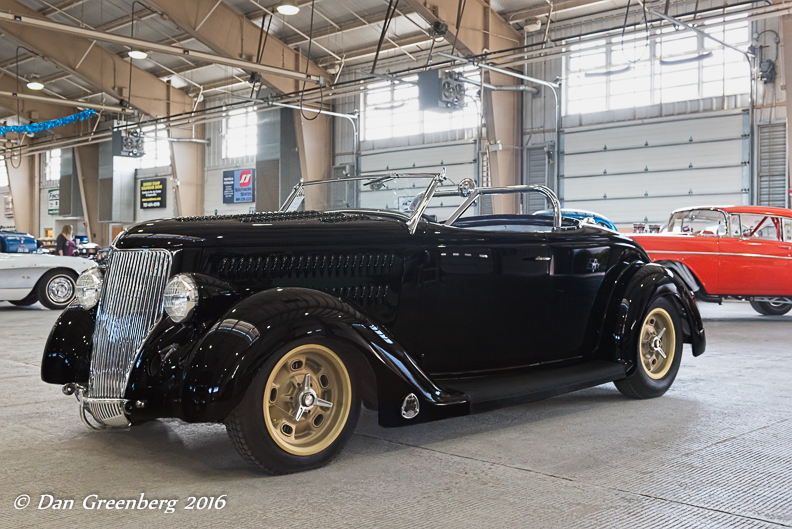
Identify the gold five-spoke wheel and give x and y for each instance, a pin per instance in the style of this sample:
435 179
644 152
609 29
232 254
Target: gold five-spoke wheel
658 343
307 399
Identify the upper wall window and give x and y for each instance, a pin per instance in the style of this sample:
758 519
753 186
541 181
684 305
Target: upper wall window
52 166
611 73
155 145
390 110
240 134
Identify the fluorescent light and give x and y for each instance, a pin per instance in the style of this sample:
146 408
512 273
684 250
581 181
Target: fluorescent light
35 83
135 53
288 7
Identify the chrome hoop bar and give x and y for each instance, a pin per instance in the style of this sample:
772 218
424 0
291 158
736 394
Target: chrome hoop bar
546 191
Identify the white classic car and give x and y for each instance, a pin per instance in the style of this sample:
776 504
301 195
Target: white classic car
26 278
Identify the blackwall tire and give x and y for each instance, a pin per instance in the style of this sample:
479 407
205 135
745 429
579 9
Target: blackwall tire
653 374
263 427
56 289
771 309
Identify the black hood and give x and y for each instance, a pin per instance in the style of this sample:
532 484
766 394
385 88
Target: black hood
275 230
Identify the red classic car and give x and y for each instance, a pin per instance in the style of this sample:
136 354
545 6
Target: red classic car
742 252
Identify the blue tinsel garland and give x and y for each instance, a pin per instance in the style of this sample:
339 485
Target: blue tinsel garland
46 125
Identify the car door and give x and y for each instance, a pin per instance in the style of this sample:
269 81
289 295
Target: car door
759 261
484 300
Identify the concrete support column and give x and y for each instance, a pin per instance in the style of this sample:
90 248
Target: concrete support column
315 150
86 161
501 115
23 181
188 161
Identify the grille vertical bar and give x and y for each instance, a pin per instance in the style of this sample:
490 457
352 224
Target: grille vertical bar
130 306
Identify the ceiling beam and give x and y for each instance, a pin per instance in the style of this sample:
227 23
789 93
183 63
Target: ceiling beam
19 22
229 33
542 11
35 110
480 28
100 68
344 27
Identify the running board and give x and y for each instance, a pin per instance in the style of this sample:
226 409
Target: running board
497 391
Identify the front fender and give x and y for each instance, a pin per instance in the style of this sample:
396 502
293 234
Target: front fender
67 355
640 286
230 354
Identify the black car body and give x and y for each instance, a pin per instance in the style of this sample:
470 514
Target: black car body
445 320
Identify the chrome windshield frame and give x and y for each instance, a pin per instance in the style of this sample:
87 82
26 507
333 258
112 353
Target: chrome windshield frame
510 190
412 219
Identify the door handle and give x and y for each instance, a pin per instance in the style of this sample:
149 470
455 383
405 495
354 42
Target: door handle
786 247
541 258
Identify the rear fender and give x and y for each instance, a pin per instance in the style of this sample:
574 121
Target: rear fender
639 286
230 355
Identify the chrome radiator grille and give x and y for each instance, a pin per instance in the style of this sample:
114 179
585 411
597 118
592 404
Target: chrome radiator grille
130 307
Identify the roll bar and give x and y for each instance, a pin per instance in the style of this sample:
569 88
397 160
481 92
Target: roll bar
510 190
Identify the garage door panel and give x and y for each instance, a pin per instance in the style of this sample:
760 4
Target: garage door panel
423 159
708 129
661 158
701 182
625 212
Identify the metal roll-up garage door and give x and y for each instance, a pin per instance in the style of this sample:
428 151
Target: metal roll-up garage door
640 172
772 165
458 158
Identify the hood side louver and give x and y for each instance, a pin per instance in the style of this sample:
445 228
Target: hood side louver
255 268
278 216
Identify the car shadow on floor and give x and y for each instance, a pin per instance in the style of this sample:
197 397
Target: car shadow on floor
206 451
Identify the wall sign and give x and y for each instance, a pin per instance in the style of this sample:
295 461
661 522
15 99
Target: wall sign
239 186
53 202
152 193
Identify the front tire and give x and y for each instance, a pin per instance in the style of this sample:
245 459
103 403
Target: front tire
56 289
771 309
300 410
658 350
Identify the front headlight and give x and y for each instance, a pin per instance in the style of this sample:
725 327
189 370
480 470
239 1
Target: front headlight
89 287
181 297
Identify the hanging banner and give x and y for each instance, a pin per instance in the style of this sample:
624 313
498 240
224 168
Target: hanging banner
53 202
152 193
8 206
239 186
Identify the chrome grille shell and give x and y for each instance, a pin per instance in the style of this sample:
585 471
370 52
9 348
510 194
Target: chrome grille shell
130 306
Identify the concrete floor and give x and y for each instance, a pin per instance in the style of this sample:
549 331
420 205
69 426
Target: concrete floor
716 451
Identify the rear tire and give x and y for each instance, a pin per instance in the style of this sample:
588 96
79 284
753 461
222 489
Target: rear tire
263 427
28 300
56 289
771 309
653 374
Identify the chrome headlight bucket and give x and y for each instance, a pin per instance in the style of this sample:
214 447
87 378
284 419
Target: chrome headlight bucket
89 288
181 297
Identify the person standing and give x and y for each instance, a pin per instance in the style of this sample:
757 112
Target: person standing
64 244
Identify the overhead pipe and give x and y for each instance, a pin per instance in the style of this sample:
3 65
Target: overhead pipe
104 36
517 88
67 102
553 86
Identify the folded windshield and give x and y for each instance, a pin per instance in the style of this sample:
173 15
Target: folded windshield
399 193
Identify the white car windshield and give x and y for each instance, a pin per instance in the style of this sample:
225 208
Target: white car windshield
696 222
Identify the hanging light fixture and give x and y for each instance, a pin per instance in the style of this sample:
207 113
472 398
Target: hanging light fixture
35 83
136 53
288 7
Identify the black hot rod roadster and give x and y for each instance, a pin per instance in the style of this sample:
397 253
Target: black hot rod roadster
281 324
